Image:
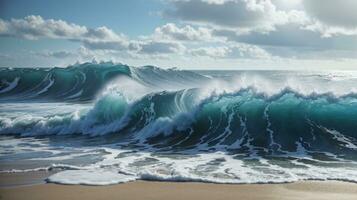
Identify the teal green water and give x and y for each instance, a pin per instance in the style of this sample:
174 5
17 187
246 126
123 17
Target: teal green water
267 121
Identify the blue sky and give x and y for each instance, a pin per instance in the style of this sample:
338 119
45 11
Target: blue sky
126 16
190 34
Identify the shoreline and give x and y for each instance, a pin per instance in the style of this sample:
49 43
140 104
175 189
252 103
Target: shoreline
31 186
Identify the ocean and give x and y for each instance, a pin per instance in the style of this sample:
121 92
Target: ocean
106 123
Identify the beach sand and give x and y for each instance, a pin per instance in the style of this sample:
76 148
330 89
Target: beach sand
149 190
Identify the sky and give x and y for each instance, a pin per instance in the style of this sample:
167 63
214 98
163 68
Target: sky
186 34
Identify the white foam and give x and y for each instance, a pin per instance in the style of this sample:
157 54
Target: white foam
10 85
52 81
341 138
78 94
90 177
120 166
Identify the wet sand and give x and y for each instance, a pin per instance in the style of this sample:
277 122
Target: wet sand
14 186
23 178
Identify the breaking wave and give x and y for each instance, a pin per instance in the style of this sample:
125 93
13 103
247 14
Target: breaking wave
221 120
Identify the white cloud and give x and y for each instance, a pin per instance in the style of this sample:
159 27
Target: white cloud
245 15
213 52
326 17
236 51
101 38
341 13
186 33
116 45
160 47
331 17
223 30
57 54
291 35
330 31
35 27
288 4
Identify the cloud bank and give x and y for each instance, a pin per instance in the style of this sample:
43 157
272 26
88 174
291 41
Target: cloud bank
214 30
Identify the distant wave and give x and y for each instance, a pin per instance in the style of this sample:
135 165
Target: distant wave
82 82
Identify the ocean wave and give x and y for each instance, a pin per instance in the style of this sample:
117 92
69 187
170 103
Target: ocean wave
83 82
176 125
226 121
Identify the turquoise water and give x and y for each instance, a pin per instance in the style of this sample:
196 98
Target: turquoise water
110 123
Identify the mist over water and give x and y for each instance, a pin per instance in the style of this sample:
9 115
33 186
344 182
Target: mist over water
110 123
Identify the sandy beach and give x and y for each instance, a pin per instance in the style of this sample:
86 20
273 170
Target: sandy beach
19 186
